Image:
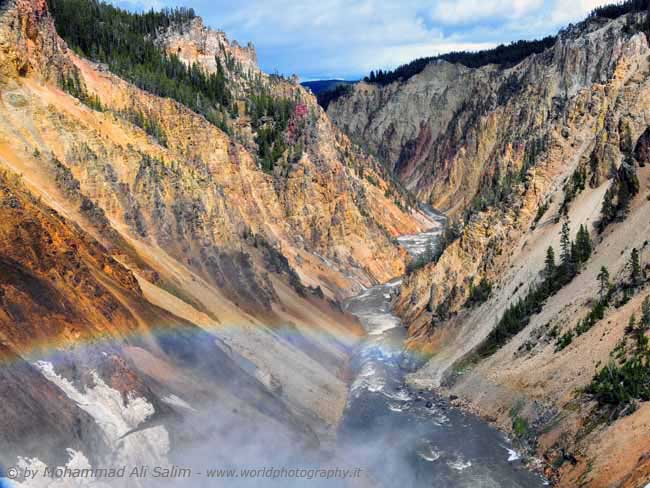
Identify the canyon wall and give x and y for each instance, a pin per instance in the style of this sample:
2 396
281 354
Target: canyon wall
447 131
514 153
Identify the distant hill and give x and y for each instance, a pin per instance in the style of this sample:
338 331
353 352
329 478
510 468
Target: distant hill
327 91
320 86
504 54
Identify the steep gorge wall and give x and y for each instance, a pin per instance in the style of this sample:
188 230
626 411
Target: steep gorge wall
588 98
333 177
449 130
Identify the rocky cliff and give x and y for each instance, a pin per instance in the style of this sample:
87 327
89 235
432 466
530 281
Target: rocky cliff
518 152
158 286
366 194
451 132
195 42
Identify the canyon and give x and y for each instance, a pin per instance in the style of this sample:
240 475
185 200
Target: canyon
189 280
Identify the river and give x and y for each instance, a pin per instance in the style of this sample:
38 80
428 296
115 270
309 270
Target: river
407 438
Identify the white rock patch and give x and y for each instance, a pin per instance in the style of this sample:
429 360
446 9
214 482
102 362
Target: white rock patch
115 418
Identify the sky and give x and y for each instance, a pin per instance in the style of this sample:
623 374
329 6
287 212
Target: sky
345 39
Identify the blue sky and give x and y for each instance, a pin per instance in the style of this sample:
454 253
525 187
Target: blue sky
318 39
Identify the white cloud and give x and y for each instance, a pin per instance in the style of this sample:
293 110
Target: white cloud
563 12
141 4
463 11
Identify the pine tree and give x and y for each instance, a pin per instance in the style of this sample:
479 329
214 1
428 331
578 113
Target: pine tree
628 185
603 280
567 253
565 241
635 268
631 325
549 268
645 314
575 255
583 245
638 329
608 210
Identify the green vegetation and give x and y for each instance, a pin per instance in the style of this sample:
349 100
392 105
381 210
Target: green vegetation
433 253
636 274
123 41
372 180
479 294
583 245
495 191
443 309
520 427
534 147
626 379
603 281
596 313
422 260
549 263
606 292
541 211
503 55
618 386
73 86
616 202
573 187
329 96
449 235
270 117
146 123
616 10
452 232
564 340
518 315
277 263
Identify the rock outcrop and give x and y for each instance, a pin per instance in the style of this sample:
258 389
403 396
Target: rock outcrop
28 42
197 43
